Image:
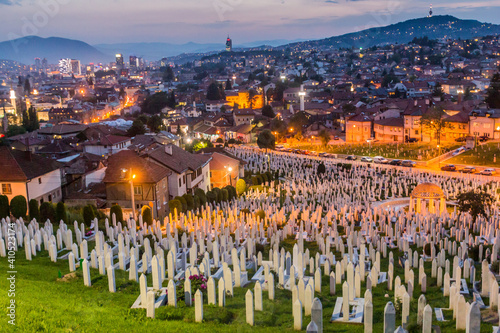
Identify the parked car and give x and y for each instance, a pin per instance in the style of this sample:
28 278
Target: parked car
411 140
366 159
483 138
380 159
395 162
351 158
449 167
468 170
488 172
458 151
408 163
461 139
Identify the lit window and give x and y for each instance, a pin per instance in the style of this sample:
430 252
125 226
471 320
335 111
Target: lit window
6 189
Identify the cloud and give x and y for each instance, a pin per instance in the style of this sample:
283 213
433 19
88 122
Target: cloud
8 3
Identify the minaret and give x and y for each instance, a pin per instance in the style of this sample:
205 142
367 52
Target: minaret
430 11
13 100
302 94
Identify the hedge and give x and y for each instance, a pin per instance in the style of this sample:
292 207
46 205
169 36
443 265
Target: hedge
47 212
61 213
4 206
147 215
34 210
175 204
189 201
183 203
18 206
241 186
201 194
88 215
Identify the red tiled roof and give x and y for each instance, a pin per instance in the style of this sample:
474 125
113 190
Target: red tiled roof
145 171
19 166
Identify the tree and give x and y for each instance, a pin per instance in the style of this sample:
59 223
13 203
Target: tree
155 103
14 130
297 122
88 215
201 194
137 128
475 202
228 85
252 98
168 74
493 94
189 201
266 140
183 203
155 123
18 206
147 216
438 91
321 169
4 206
117 210
61 214
47 212
324 136
213 92
34 210
171 102
175 205
241 186
268 111
348 108
434 122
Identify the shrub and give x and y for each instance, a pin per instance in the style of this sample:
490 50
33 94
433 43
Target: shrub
88 215
231 141
321 168
201 194
225 194
217 193
175 205
219 140
231 191
260 213
211 196
427 249
34 210
197 201
61 213
117 210
4 206
269 176
18 206
241 186
189 201
183 203
264 178
255 181
47 212
260 180
147 215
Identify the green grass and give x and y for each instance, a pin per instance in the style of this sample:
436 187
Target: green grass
46 304
481 155
409 151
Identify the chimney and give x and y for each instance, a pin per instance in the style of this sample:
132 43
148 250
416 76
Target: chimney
168 149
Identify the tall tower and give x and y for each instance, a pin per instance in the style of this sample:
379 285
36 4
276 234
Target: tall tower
229 44
430 11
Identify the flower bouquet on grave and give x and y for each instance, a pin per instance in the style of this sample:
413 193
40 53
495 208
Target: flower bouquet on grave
88 233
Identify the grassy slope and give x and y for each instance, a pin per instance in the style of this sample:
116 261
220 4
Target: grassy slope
48 305
483 155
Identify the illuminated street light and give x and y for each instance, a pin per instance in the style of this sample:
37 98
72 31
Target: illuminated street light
131 180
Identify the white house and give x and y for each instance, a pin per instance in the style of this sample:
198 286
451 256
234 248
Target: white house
29 175
189 171
107 145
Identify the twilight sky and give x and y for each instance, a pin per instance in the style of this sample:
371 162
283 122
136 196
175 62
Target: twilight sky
209 21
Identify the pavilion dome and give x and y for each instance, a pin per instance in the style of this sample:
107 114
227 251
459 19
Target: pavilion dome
427 190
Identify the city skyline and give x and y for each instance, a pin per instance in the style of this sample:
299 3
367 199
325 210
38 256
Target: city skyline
177 22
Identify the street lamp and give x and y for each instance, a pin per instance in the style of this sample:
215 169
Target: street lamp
131 180
229 169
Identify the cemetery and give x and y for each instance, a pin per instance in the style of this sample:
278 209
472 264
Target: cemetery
411 151
320 246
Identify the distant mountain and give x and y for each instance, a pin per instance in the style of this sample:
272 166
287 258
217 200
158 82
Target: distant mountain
26 49
436 27
156 51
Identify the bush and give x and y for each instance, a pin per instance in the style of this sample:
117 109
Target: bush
4 206
211 197
260 213
183 203
18 206
225 194
217 193
61 213
269 175
189 201
260 180
34 210
219 140
47 212
175 205
241 186
88 215
147 215
231 191
117 210
201 194
321 168
264 178
231 141
427 249
197 201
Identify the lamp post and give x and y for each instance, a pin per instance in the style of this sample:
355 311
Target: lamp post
132 195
